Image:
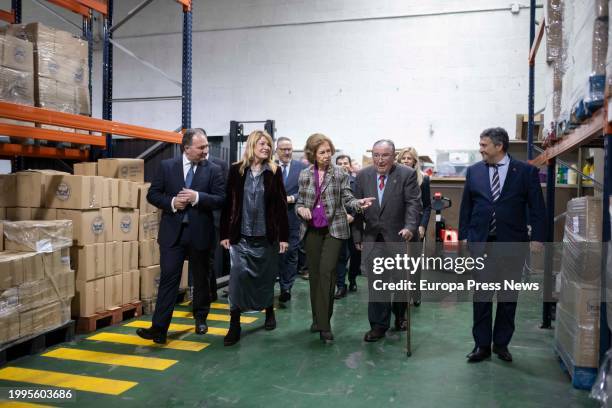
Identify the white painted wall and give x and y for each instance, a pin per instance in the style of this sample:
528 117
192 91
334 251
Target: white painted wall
431 65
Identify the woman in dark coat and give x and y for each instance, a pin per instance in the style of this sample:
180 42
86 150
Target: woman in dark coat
254 227
409 157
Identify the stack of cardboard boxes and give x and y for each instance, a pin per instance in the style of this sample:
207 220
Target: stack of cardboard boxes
148 254
52 72
16 73
107 247
577 328
36 282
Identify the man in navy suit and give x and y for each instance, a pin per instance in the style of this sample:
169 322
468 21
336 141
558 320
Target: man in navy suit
291 173
187 189
501 197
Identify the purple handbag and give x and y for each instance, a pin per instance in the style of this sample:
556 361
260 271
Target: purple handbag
319 219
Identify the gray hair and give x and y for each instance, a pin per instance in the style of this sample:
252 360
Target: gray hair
498 136
189 135
384 141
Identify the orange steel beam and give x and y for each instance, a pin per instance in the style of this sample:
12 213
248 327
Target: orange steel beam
97 5
8 16
13 150
186 4
50 117
587 131
72 5
536 44
52 135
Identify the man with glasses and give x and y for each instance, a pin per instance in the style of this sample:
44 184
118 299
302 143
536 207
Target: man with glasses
291 173
393 217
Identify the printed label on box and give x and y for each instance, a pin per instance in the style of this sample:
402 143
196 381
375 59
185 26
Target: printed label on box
126 224
97 225
63 191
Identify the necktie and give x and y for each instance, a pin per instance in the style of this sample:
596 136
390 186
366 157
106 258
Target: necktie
495 193
381 181
285 173
188 181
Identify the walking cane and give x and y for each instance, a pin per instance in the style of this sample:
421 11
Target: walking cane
408 322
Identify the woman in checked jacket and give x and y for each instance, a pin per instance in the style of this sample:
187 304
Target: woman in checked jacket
324 193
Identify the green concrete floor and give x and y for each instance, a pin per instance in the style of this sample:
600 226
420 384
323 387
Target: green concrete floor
290 367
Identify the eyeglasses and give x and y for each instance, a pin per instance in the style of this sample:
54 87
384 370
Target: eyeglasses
287 149
385 156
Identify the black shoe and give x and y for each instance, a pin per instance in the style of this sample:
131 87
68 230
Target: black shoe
152 334
285 296
214 297
340 293
401 324
314 328
326 336
200 326
352 287
479 354
270 323
502 352
416 303
374 335
233 335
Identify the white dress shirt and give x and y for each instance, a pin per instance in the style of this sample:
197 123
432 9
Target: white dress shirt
186 166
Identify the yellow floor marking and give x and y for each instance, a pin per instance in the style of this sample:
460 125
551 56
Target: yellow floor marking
150 363
15 404
137 341
64 380
217 331
214 317
222 306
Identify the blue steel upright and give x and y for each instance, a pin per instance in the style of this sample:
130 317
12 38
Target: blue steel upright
16 7
107 76
187 61
530 123
549 247
604 329
88 34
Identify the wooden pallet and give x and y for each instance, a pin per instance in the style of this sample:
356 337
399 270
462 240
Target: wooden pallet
36 343
88 324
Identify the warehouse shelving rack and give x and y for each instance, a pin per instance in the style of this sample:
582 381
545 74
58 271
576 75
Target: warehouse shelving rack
86 8
595 131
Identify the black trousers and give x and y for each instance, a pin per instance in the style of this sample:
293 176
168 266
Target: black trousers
500 267
171 264
379 313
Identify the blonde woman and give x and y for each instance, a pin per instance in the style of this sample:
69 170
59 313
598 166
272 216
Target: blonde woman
254 227
324 192
409 157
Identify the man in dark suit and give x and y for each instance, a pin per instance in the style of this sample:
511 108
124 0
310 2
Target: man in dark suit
187 189
501 196
394 217
291 173
348 253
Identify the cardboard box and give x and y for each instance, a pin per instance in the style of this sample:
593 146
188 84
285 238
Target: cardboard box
9 325
90 227
149 282
8 190
55 95
128 194
143 205
131 286
2 213
17 54
125 224
33 268
11 270
114 258
1 236
89 298
18 214
148 227
74 192
89 261
17 86
38 236
48 317
28 214
56 263
31 186
26 323
113 291
110 195
86 169
184 276
128 169
130 256
148 253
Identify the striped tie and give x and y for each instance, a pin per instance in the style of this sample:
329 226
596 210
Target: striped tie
495 192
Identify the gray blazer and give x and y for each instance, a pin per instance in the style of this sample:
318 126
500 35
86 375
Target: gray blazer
401 205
